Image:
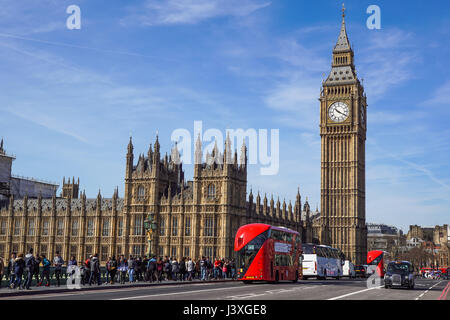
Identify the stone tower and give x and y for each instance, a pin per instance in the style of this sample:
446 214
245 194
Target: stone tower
343 134
70 189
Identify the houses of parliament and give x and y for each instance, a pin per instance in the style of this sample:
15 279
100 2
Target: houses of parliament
201 216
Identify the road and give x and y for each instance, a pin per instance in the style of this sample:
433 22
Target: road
343 289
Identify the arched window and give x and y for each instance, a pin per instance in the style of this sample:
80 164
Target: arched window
211 191
141 192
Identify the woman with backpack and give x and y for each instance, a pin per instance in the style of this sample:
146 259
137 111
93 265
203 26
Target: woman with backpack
45 271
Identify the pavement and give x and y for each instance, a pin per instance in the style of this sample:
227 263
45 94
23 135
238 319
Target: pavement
344 289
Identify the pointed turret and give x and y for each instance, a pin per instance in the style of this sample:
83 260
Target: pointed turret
343 68
130 146
227 152
243 155
157 144
175 155
130 157
342 43
198 151
258 203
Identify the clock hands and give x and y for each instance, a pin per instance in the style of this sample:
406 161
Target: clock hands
339 112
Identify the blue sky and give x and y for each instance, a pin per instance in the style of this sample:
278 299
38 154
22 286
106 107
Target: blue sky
70 98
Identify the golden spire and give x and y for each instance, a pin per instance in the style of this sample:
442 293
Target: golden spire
343 11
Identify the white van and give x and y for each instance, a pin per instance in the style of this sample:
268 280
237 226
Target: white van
348 270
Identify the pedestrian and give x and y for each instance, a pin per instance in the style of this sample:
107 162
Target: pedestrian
217 269
29 268
159 268
45 271
71 267
233 269
167 268
19 266
123 268
113 269
203 268
224 269
58 263
210 268
197 271
190 268
2 268
108 268
137 269
131 268
151 268
37 263
175 269
87 270
144 268
182 269
95 270
11 273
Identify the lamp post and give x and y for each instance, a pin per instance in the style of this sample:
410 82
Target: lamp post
150 227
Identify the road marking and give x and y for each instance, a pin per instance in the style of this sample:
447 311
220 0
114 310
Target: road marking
352 293
176 293
424 293
245 296
268 292
444 293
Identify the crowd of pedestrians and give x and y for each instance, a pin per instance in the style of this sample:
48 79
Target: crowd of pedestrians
21 270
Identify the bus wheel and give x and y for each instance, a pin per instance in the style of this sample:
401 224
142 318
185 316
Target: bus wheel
296 277
247 281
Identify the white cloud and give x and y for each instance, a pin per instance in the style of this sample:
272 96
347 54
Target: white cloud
170 12
387 61
441 96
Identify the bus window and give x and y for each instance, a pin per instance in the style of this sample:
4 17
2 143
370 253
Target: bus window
308 248
282 260
288 237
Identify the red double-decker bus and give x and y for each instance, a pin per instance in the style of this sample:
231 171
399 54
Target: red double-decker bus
268 253
376 258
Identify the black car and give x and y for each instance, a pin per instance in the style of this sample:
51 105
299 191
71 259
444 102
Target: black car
399 274
360 271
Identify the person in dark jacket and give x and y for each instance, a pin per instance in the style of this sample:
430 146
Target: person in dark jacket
11 274
30 264
37 263
19 266
113 269
151 268
95 270
2 268
58 263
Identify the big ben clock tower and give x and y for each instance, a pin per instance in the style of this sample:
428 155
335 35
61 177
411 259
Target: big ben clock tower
343 134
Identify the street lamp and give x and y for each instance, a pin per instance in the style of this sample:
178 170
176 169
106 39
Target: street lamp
150 228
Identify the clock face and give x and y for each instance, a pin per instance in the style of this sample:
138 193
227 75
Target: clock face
338 112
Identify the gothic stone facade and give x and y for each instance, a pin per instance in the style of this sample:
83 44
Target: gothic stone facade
196 218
